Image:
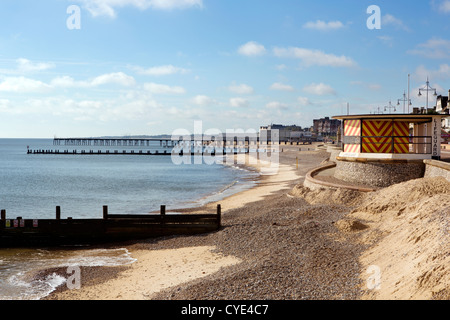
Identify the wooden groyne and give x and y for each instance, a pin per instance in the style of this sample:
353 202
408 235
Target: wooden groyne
21 232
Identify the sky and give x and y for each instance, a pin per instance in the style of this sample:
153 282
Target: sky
85 68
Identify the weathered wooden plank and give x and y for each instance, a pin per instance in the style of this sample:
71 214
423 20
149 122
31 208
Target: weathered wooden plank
35 232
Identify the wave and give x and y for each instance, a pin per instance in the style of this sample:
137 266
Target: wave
19 283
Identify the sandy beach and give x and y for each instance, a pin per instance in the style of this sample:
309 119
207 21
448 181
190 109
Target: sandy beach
281 241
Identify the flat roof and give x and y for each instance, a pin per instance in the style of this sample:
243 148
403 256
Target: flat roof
391 116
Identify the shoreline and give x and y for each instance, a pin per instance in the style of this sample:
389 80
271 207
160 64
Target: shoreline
264 184
206 203
106 278
283 241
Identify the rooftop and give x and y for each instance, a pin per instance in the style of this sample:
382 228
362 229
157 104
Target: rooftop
393 116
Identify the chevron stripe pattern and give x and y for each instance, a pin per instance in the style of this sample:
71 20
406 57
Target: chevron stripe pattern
401 129
352 128
351 148
377 136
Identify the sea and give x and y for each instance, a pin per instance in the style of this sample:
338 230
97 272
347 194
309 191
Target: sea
33 184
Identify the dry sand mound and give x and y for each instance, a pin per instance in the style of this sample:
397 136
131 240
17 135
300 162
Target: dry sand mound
350 225
406 228
328 196
404 196
409 237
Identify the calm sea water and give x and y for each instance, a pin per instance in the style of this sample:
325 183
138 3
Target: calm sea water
32 185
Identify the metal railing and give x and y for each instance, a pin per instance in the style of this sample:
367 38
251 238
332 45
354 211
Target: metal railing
416 144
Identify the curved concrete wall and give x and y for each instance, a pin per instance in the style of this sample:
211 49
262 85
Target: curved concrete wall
437 168
378 173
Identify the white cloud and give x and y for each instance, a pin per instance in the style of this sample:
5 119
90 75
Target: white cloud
390 20
435 48
443 73
276 105
66 82
25 65
314 57
5 106
323 26
174 4
119 78
252 48
442 6
387 40
108 7
281 67
281 87
160 70
156 88
22 85
320 89
374 86
113 109
303 101
239 102
202 100
241 89
445 6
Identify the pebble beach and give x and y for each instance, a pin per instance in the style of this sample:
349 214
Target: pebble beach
278 241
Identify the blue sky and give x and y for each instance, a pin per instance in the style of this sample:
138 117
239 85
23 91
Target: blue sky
154 66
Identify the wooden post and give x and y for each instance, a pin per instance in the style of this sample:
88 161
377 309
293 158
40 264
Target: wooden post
3 214
163 214
219 215
105 212
58 212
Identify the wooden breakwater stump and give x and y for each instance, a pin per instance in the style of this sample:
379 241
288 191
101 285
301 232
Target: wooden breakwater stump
21 232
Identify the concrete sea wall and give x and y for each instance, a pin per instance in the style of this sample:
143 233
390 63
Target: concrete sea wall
378 172
437 168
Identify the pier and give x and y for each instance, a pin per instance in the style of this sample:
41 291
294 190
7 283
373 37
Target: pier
160 146
113 142
21 232
103 152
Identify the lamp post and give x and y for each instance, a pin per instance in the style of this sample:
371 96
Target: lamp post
427 88
404 100
410 104
378 111
390 107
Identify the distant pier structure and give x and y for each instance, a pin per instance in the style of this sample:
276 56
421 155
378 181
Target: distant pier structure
155 146
113 142
149 146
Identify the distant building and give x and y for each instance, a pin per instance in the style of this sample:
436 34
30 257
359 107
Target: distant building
285 133
443 107
326 126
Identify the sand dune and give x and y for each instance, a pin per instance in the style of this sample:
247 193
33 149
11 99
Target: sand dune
408 230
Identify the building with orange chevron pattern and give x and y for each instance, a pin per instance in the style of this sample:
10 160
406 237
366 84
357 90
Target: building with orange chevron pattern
379 150
391 136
